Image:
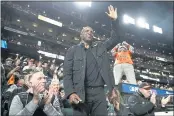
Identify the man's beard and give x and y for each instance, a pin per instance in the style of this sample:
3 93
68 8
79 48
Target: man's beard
89 42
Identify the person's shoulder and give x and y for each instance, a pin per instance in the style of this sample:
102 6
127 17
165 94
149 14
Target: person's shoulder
74 47
133 96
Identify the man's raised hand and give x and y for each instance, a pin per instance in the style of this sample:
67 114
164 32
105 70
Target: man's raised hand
112 12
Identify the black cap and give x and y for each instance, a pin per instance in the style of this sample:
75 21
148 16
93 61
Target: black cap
144 85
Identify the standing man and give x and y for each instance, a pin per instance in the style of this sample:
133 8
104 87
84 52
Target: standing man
123 62
87 69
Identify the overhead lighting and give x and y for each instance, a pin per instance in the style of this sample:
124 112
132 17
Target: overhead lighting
63 34
28 5
35 25
50 30
142 23
18 20
157 29
127 19
51 21
51 55
39 43
15 30
82 4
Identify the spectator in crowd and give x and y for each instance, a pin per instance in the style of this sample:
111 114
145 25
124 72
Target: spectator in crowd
3 78
30 65
20 83
144 103
123 62
45 68
13 77
39 66
36 101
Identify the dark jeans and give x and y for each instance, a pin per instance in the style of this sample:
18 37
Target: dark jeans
95 104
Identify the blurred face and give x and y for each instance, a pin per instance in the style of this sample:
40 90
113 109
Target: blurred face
146 91
37 78
30 63
52 67
62 93
8 63
87 34
45 65
20 82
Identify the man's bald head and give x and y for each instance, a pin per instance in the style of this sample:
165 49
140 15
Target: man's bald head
86 34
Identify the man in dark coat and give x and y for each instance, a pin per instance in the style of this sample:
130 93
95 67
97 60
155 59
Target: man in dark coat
87 70
144 103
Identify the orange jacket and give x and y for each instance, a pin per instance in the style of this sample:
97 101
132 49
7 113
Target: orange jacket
123 57
11 80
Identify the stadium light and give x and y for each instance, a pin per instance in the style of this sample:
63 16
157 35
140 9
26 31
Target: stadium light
84 4
127 19
157 29
142 23
51 21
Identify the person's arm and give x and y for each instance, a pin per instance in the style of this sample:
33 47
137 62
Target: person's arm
17 109
67 72
129 47
115 49
138 108
12 71
51 111
115 35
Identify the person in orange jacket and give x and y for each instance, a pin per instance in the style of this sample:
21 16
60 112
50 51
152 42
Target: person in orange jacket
123 62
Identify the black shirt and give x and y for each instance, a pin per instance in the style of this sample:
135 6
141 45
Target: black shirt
93 77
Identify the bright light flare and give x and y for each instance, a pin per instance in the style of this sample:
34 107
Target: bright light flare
142 23
127 19
157 29
84 4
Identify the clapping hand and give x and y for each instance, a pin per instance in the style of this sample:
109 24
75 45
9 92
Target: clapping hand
164 101
153 98
37 89
48 96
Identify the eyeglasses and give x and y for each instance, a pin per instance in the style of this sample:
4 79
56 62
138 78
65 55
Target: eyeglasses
147 88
